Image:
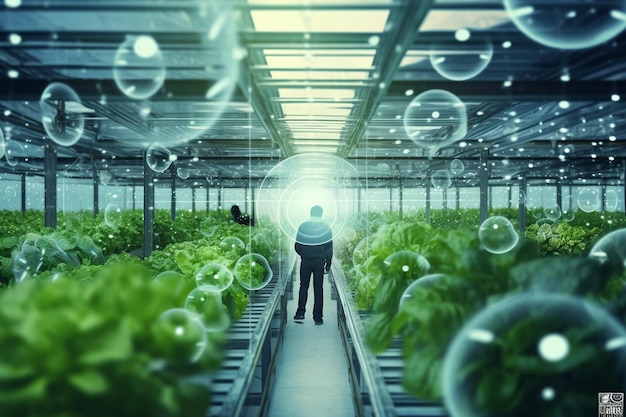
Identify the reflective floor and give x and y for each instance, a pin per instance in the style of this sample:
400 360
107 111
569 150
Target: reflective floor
312 372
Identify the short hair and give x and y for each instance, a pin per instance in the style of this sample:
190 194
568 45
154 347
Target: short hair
316 211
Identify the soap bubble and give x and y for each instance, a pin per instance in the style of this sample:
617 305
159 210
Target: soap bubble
497 235
208 226
457 166
611 246
62 114
441 179
588 199
139 67
534 355
2 143
568 25
215 276
568 209
113 215
232 243
553 212
105 177
425 281
463 57
168 275
10 192
253 272
26 262
298 183
360 254
183 172
13 150
610 200
544 232
407 264
207 304
141 73
180 335
435 118
158 158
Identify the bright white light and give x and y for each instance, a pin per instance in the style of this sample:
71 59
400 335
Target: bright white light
462 35
145 47
553 347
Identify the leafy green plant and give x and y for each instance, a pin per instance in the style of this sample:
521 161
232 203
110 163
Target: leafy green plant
77 350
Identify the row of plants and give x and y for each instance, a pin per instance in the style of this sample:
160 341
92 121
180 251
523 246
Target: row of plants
422 283
93 333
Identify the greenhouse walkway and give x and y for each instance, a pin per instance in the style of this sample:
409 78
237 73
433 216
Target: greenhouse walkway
312 376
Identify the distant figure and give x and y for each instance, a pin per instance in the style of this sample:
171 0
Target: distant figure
314 244
239 217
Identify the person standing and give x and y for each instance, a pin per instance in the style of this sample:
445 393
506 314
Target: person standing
314 244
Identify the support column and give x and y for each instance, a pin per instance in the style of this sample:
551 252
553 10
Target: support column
559 194
207 198
509 197
427 209
23 194
96 186
484 184
173 198
602 198
521 206
148 209
390 199
458 197
50 184
193 199
400 197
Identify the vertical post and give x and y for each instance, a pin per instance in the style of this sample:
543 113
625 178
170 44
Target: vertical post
484 184
559 194
390 199
96 186
458 197
521 205
148 209
23 196
50 184
509 197
219 197
400 196
427 210
207 198
444 198
173 198
193 199
252 201
134 191
602 198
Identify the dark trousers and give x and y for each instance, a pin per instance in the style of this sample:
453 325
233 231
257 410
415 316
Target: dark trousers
308 267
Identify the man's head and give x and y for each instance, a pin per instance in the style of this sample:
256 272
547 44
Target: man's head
316 211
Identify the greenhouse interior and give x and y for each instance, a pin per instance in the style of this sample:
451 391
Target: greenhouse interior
449 174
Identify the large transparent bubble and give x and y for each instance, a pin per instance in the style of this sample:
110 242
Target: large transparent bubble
610 200
407 264
298 183
172 110
435 118
13 151
253 272
575 24
441 179
568 208
208 226
611 246
179 335
139 67
26 262
425 281
588 199
463 56
539 355
457 166
159 158
553 212
207 304
214 276
497 235
230 243
62 115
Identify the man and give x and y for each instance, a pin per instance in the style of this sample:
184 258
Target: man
314 244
